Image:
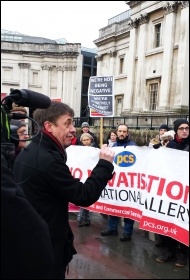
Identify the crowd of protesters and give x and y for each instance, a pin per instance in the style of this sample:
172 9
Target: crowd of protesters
41 185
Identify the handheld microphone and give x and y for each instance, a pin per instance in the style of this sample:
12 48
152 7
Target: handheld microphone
31 99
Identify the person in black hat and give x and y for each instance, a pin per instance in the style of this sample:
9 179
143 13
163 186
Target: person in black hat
156 141
163 128
86 129
174 248
181 138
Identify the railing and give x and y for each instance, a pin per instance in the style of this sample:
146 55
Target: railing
120 17
135 122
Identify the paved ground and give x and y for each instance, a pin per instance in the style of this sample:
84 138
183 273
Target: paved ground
108 258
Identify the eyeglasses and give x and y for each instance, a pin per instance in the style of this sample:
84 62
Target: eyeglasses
183 128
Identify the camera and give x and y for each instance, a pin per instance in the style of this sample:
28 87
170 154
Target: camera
25 98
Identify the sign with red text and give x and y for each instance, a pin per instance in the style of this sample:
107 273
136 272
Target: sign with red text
100 96
3 95
56 99
150 186
73 208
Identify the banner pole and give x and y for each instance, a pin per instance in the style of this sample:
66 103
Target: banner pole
101 132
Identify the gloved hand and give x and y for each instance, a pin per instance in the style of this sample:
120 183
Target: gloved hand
156 146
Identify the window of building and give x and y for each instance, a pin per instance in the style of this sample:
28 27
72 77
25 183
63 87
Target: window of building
153 93
118 105
121 63
85 82
7 73
35 78
86 71
87 60
158 35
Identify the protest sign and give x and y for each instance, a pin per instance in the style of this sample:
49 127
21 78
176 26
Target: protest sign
150 186
100 96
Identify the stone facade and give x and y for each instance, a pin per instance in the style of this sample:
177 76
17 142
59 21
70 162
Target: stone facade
148 54
52 69
146 50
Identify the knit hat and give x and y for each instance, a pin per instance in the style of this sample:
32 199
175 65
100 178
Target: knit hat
178 122
17 123
164 126
85 124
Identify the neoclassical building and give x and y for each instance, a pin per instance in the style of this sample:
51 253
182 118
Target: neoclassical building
146 48
56 68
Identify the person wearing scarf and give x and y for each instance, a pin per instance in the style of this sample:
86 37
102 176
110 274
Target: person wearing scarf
48 184
175 249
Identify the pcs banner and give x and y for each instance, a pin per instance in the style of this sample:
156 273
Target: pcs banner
150 186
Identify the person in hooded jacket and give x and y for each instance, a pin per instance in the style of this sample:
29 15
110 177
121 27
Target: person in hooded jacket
122 140
173 248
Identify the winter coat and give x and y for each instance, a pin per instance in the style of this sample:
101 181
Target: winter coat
49 186
125 143
128 142
26 249
178 145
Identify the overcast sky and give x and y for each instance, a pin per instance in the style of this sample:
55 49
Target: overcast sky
76 21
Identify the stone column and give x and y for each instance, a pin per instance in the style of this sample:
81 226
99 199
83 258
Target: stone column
73 96
59 81
99 59
24 77
167 56
66 83
24 84
112 55
140 78
45 80
128 98
182 90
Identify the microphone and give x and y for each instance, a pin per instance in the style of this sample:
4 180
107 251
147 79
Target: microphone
28 98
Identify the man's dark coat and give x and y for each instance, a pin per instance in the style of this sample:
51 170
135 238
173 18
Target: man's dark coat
48 184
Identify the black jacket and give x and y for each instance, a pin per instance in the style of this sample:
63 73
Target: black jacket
26 250
49 186
179 145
